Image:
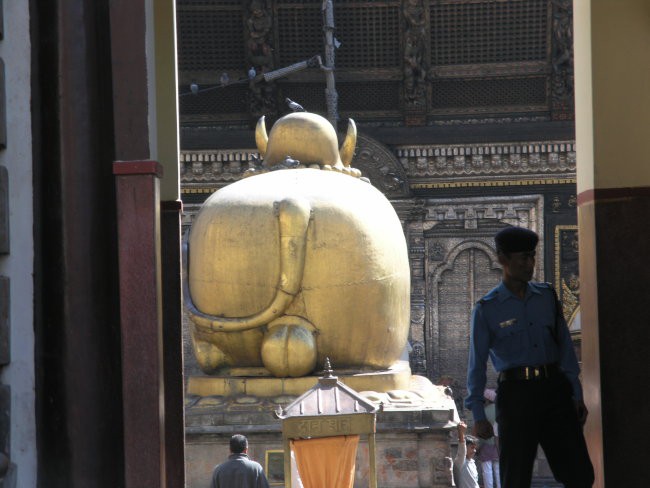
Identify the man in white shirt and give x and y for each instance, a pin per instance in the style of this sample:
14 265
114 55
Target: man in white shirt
465 471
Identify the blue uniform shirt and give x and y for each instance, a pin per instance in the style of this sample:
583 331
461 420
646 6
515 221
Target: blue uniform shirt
516 332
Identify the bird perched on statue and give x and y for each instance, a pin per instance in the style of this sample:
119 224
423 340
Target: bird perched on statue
296 107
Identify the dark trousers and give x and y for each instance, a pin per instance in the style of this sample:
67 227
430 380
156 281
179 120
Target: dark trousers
540 412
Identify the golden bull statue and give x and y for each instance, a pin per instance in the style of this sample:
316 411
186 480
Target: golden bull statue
288 267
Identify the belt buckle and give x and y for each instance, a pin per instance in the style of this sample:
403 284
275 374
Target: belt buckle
533 372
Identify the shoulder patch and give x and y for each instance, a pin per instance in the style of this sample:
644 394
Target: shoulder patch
490 296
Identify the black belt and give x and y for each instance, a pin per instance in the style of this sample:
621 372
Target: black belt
530 372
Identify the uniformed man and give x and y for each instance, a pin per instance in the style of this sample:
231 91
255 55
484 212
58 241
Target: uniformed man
520 326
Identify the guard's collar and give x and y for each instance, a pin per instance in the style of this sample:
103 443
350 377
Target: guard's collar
503 292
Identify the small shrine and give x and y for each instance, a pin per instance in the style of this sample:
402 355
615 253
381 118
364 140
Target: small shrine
321 430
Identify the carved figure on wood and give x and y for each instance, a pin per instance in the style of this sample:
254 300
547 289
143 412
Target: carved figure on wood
414 52
414 72
562 58
259 24
260 57
415 18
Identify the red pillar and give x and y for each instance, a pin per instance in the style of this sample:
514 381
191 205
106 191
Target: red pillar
138 219
170 223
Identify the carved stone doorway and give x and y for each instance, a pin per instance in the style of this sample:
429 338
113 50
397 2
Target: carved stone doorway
462 266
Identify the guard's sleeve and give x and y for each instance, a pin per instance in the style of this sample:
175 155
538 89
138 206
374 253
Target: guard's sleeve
479 347
568 359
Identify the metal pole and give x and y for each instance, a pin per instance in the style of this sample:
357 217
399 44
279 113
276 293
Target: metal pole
372 455
331 97
287 463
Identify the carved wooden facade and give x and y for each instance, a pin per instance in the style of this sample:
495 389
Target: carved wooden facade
403 62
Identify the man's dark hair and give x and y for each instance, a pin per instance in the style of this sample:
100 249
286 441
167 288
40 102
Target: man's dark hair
238 444
471 440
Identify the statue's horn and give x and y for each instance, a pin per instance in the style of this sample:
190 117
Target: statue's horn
346 152
261 137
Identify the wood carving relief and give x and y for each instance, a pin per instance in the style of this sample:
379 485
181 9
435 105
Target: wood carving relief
259 53
562 59
532 158
567 277
415 66
380 166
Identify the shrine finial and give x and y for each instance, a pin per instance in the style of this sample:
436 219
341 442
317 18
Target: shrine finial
327 369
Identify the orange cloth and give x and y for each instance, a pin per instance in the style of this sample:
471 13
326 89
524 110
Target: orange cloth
326 462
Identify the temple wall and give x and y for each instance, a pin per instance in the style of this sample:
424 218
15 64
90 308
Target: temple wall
404 459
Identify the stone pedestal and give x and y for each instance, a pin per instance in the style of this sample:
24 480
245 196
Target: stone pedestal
413 433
